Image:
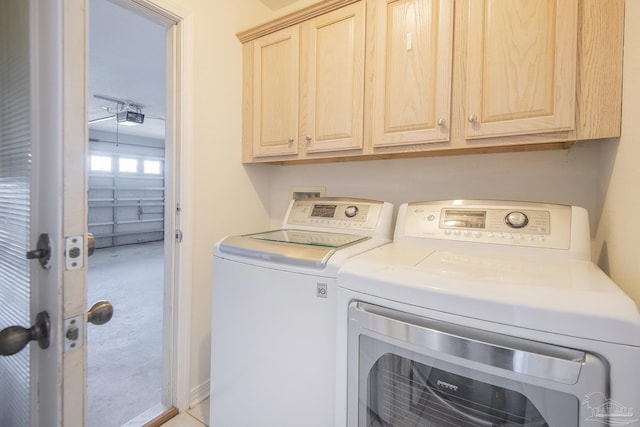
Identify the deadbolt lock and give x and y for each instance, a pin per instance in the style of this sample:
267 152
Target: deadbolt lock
42 252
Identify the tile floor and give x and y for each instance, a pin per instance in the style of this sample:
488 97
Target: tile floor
197 416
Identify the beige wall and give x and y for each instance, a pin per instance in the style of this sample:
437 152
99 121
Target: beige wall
617 243
228 198
566 176
231 198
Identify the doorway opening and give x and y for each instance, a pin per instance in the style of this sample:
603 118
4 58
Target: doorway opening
129 212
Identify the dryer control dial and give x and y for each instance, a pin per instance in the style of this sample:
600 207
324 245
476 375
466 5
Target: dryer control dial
351 211
516 219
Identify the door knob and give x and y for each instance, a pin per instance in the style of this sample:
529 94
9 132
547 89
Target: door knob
91 244
100 313
15 338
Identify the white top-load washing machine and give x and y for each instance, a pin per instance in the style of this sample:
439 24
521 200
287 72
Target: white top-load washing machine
485 313
273 314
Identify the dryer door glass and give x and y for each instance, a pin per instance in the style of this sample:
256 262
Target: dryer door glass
401 391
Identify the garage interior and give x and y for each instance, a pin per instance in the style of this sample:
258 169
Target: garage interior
127 184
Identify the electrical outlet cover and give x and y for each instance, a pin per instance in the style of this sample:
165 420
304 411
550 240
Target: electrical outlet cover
299 193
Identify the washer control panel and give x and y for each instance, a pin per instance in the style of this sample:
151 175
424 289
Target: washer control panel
348 214
523 224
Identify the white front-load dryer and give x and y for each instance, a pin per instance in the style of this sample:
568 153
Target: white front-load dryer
485 313
273 313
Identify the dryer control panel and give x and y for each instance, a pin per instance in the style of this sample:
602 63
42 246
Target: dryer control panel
498 222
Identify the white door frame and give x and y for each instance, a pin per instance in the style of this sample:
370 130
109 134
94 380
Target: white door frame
180 81
180 102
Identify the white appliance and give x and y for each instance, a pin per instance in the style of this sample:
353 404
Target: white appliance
274 312
484 313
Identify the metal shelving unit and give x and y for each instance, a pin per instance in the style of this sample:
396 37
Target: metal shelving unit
126 208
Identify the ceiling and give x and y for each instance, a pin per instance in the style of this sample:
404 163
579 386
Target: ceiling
126 62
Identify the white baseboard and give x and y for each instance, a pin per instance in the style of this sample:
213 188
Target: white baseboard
199 393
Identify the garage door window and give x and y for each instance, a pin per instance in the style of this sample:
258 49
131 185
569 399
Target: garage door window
127 165
151 167
100 163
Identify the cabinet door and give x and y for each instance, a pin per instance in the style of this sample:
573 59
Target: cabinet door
275 93
412 75
521 67
332 86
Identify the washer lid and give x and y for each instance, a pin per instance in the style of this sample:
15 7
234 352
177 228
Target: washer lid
310 238
293 247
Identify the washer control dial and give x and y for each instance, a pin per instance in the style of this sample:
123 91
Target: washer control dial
351 211
516 219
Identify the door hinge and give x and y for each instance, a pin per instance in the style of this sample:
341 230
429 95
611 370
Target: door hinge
178 236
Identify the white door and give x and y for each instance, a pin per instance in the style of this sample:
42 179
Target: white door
42 145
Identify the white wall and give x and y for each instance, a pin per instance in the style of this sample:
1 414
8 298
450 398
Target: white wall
617 244
231 198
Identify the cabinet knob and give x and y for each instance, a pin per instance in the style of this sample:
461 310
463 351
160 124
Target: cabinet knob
472 118
442 122
290 141
308 139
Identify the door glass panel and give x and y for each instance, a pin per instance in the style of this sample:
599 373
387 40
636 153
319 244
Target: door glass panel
15 177
401 390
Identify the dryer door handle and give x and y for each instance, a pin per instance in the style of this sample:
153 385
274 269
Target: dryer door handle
558 364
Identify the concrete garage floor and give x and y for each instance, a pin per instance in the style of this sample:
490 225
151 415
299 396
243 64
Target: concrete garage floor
125 355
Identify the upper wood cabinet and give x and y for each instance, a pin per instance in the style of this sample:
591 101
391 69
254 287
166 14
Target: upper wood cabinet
521 75
372 79
410 71
275 93
332 80
304 87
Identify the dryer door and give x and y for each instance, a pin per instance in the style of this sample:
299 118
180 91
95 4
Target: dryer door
409 369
